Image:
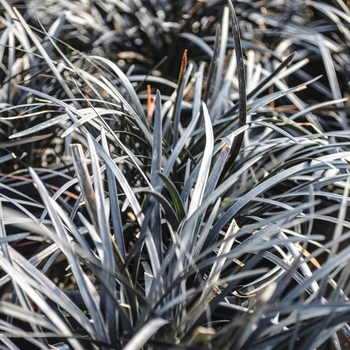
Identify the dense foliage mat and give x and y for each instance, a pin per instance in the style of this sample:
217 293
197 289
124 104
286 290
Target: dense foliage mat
174 174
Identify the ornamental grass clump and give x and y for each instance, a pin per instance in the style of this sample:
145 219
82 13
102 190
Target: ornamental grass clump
174 175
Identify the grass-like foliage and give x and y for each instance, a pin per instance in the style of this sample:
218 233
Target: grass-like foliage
174 175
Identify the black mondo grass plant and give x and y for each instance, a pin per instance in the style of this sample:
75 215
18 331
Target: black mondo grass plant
174 175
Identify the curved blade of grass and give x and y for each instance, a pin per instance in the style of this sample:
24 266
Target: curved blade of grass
212 182
54 31
145 333
196 103
84 181
180 145
277 129
316 107
167 207
148 277
114 202
221 102
13 238
188 231
198 41
175 196
240 66
8 157
205 231
27 222
218 265
205 165
157 141
24 140
302 265
189 182
148 77
155 223
90 114
107 259
241 90
213 64
41 126
222 52
332 77
129 88
217 167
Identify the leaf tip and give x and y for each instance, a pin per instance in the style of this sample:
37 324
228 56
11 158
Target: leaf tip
183 65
